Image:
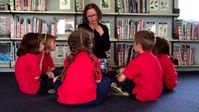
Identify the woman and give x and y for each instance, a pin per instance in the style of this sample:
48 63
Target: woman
91 17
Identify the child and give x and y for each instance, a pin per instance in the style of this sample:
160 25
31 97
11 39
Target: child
82 82
47 61
144 73
27 68
169 74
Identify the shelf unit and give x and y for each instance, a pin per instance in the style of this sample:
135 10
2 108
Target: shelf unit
108 15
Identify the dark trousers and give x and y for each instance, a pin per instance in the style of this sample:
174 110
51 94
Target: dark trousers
45 85
57 71
102 91
165 88
128 85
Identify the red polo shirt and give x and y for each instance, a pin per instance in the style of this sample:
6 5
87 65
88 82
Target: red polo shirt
146 73
26 69
47 62
79 85
168 71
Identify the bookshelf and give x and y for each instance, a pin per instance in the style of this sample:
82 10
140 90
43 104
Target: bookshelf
156 18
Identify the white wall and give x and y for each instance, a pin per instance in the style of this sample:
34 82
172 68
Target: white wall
189 9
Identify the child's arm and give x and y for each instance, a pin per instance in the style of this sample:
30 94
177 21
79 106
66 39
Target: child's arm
50 69
45 76
120 76
41 61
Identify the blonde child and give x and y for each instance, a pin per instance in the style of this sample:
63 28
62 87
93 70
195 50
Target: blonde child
144 73
27 69
47 61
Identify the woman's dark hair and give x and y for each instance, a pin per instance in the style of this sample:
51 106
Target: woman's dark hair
92 6
146 39
30 44
80 40
162 46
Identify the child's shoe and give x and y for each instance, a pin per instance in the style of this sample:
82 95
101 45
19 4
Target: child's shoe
51 91
117 91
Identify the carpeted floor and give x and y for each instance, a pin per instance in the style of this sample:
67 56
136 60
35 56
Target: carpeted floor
185 98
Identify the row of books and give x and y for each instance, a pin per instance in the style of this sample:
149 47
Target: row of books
124 53
22 25
28 5
126 28
186 30
4 5
8 53
129 6
132 6
185 54
5 26
121 6
17 26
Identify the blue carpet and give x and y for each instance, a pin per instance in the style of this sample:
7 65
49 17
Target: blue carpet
185 98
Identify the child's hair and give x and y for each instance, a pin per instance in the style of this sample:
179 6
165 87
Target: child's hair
30 44
162 46
80 40
48 39
146 39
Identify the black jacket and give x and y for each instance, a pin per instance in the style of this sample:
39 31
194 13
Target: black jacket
102 43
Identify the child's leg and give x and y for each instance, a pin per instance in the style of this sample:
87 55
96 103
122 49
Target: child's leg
57 83
45 85
102 90
57 71
165 88
128 86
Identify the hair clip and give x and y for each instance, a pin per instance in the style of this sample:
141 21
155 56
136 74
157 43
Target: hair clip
81 40
45 37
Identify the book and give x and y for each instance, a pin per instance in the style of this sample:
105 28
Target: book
177 54
61 52
5 53
110 55
177 29
154 4
105 4
65 26
164 4
107 23
150 26
162 29
4 5
64 4
80 5
5 22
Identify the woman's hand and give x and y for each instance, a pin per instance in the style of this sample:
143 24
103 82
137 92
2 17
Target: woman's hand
99 29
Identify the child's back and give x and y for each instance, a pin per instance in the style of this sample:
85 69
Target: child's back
144 71
162 51
146 74
80 81
27 64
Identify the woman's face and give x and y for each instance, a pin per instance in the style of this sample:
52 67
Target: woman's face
92 16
